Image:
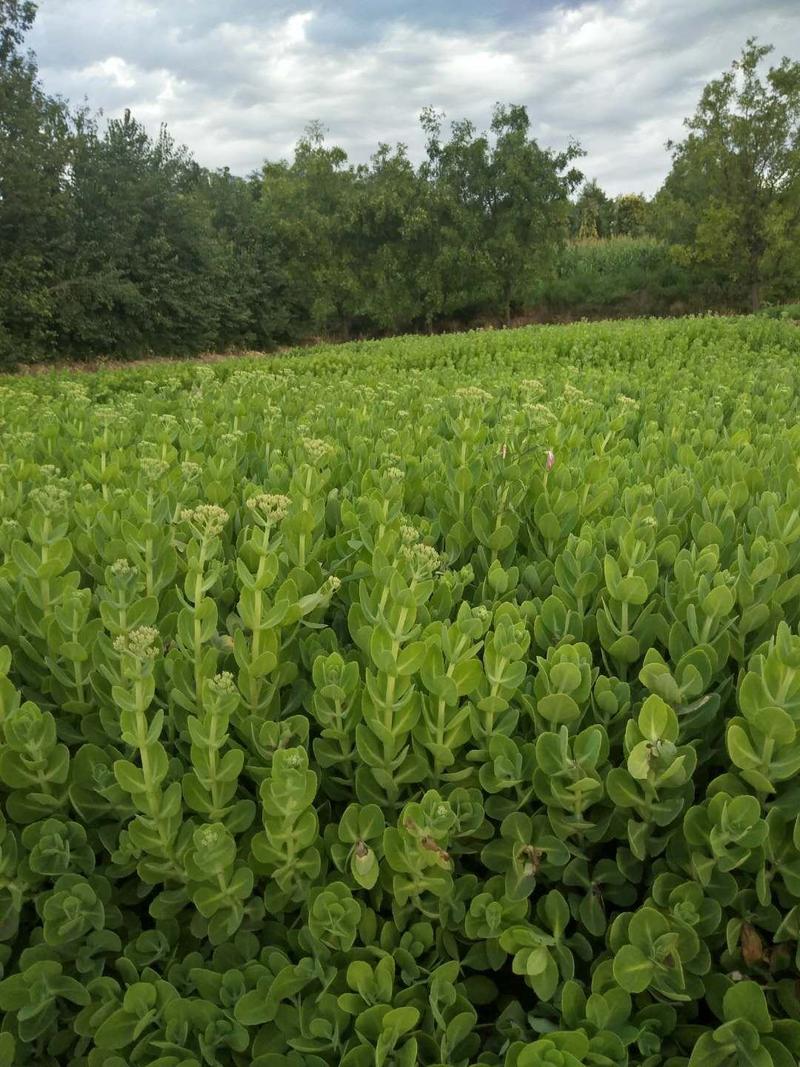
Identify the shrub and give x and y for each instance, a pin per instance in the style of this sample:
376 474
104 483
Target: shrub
782 311
618 274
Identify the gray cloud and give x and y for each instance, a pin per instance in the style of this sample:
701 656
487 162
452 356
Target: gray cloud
237 82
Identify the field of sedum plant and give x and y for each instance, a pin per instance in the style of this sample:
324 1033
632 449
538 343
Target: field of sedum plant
429 701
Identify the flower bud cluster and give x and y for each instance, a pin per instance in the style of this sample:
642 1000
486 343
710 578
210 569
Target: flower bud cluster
141 643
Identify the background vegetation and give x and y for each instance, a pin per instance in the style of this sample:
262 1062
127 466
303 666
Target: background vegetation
114 241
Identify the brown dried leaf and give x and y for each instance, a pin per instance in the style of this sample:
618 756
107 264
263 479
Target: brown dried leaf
752 945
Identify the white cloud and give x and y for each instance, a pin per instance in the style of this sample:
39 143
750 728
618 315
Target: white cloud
618 75
114 71
294 28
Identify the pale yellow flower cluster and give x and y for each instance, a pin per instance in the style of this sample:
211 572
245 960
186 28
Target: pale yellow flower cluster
153 469
424 559
50 498
539 412
271 506
121 567
533 386
223 683
141 643
208 519
472 392
316 448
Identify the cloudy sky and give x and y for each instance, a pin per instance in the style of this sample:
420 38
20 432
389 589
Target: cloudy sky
237 80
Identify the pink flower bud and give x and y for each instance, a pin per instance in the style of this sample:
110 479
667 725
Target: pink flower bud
551 458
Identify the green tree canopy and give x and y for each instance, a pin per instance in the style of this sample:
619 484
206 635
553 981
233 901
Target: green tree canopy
593 213
630 215
509 199
35 140
732 199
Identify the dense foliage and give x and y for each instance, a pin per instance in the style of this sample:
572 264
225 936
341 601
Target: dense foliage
426 701
115 242
782 311
732 199
619 274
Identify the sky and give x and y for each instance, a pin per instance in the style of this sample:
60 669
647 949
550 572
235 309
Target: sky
237 81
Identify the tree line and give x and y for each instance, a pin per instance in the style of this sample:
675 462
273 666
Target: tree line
115 241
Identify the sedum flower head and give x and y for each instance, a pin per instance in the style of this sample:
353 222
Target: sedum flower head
473 392
141 643
153 469
316 448
121 568
74 391
208 519
540 413
50 499
331 584
105 413
168 423
423 559
460 577
532 385
190 469
409 534
223 683
272 507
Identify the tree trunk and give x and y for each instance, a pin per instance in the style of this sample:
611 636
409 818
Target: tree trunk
755 296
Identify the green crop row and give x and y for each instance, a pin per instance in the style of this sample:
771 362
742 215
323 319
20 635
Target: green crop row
431 701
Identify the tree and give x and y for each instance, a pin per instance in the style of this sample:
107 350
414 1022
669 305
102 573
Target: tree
630 215
509 200
254 310
528 206
453 265
593 212
146 271
35 146
391 242
308 206
731 201
16 18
